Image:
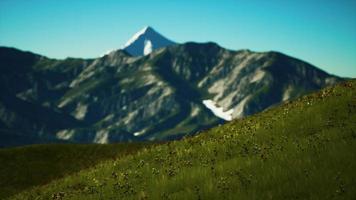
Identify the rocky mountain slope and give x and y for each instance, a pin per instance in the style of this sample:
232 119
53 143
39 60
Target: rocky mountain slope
303 149
171 92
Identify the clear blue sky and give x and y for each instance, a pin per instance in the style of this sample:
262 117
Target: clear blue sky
322 32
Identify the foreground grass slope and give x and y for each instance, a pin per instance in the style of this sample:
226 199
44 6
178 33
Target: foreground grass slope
300 150
28 166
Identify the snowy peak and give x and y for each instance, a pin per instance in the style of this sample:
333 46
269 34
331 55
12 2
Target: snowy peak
136 36
145 41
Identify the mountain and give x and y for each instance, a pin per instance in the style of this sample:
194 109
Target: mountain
174 91
24 82
303 149
145 41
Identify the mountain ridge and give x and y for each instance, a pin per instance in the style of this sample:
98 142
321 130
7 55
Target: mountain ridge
159 96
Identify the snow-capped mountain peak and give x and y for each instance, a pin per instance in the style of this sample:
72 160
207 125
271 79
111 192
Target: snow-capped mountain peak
136 36
145 41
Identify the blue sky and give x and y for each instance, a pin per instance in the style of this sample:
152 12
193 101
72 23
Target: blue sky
321 32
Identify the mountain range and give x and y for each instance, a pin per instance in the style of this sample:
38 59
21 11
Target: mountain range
151 89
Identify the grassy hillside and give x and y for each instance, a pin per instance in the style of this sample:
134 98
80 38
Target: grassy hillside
28 166
300 150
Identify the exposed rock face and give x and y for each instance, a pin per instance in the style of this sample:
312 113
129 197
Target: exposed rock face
160 96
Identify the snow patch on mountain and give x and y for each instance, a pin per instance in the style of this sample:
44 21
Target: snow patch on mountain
218 111
135 37
107 52
148 47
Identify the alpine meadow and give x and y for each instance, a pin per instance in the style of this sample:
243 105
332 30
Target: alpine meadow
228 99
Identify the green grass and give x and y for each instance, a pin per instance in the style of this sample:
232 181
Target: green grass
24 167
300 150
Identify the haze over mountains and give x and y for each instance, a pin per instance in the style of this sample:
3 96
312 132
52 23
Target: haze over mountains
152 89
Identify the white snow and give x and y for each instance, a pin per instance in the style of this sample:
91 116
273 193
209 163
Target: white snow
148 47
145 41
135 37
107 52
218 111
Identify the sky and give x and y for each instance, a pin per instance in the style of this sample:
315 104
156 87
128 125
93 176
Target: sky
321 32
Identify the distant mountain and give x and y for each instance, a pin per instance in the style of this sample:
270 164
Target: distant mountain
174 91
145 41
